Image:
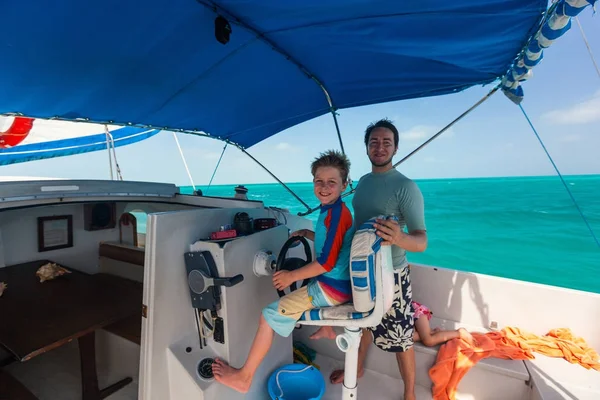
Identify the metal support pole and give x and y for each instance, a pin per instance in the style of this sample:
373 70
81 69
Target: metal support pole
349 343
333 111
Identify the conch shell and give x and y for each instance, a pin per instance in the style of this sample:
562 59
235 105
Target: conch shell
3 286
50 271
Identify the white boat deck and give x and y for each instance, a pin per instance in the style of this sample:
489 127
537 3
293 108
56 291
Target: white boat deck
557 379
55 375
373 385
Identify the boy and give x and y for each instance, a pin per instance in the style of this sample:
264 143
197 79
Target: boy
329 276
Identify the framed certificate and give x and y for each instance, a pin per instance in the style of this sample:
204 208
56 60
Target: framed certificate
55 232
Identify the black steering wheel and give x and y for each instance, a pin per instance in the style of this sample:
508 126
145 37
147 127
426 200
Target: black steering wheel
293 263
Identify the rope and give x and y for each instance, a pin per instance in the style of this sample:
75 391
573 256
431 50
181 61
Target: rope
444 129
283 371
216 167
588 47
110 145
184 162
119 175
560 176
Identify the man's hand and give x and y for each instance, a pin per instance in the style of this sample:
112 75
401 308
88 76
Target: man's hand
283 279
389 230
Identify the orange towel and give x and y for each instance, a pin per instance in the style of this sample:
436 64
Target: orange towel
457 356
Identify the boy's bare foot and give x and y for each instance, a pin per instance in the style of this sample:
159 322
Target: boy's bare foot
324 332
409 396
232 377
466 336
337 376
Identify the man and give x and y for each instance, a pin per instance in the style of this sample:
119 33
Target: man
385 191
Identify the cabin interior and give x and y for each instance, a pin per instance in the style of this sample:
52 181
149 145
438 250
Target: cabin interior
104 239
156 344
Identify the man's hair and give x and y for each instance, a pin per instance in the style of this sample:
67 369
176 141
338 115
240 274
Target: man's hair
382 123
335 159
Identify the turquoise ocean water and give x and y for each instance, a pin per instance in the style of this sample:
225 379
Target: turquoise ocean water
522 228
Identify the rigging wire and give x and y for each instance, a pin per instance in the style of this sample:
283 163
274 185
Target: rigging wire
184 162
243 150
588 47
216 167
561 177
444 129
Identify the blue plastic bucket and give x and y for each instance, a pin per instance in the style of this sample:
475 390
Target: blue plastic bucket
296 382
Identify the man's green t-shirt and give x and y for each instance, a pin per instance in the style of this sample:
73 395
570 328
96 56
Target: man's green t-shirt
390 193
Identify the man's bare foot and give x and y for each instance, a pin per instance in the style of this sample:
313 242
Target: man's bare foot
232 377
324 332
466 336
337 376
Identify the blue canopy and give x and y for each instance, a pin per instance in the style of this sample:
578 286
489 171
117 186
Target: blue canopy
159 64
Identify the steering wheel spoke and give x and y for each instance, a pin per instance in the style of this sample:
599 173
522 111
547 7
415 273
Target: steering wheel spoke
293 263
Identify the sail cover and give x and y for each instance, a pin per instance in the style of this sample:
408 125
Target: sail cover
555 25
24 139
245 70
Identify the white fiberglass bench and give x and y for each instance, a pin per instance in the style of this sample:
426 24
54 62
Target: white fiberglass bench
372 280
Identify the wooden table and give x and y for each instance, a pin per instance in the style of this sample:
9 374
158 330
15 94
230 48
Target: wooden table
38 317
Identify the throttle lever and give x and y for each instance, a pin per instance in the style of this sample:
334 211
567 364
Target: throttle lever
199 282
228 282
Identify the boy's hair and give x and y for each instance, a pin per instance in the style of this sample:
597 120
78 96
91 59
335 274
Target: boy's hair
382 123
335 159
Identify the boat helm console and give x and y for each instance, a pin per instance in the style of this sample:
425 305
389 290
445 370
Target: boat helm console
211 307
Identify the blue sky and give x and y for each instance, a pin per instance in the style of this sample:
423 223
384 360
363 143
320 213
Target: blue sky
562 99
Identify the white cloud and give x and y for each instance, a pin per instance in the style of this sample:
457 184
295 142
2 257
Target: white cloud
421 133
570 138
417 133
582 113
283 146
288 148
